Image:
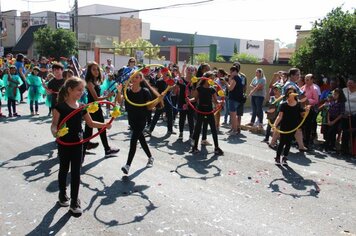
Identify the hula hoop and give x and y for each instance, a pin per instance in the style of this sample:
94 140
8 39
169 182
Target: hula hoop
168 98
290 131
218 107
74 113
132 76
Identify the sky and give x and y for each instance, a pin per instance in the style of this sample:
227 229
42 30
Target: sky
243 19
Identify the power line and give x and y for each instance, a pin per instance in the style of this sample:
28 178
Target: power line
149 9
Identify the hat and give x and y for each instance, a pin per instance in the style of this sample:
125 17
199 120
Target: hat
13 67
36 68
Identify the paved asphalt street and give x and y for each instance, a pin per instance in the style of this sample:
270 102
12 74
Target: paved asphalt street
240 193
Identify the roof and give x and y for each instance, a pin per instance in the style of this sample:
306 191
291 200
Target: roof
26 40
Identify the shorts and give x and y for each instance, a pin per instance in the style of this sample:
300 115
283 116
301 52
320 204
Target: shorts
235 106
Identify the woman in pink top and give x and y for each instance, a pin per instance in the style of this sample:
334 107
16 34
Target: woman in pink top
312 99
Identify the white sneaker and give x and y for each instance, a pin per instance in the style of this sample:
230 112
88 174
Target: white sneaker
192 142
150 162
75 207
125 169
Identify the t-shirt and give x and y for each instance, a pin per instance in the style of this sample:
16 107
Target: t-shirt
350 104
205 98
74 124
291 116
90 96
255 82
55 85
182 83
135 112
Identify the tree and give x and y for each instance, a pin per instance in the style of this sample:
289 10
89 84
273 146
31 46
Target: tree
244 58
129 48
330 49
55 42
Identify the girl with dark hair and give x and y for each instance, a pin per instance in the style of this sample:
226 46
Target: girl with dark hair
289 117
335 113
93 80
205 95
137 116
35 90
71 156
12 82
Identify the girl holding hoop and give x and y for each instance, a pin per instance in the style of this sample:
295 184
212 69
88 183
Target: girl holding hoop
137 94
71 156
205 96
93 79
290 115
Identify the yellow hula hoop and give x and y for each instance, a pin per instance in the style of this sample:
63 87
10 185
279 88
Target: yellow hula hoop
293 130
132 76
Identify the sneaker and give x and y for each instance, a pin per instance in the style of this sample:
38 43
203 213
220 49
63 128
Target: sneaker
264 141
37 114
17 115
218 151
274 147
91 145
10 115
150 162
63 200
111 151
32 113
284 161
205 143
180 137
125 169
75 207
277 161
147 133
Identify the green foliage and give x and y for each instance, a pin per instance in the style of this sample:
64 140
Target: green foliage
330 49
129 48
220 58
55 42
244 58
201 57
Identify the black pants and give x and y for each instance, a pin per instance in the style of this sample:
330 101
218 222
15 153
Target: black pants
205 129
331 136
268 132
308 127
211 121
285 141
22 89
11 103
31 105
70 156
96 116
169 114
345 142
182 116
137 126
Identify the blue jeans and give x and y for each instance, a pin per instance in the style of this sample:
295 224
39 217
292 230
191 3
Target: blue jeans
256 104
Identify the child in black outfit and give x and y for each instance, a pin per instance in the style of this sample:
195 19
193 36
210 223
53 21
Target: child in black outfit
289 117
205 96
71 156
137 116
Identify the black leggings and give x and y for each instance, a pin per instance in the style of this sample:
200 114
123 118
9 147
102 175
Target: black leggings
70 156
285 141
31 105
182 116
211 121
96 116
137 126
11 103
169 114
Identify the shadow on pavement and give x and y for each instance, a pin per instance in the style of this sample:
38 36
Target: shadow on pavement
296 181
45 228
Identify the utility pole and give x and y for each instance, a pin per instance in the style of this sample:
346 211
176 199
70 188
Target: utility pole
76 23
